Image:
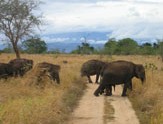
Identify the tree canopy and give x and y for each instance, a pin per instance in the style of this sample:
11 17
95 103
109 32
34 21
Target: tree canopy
85 48
35 45
17 20
110 46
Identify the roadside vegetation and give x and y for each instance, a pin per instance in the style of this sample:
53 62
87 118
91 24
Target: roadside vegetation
22 103
147 99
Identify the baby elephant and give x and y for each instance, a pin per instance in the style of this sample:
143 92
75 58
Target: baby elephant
92 67
51 69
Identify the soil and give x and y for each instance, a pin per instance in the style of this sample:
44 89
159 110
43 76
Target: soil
103 109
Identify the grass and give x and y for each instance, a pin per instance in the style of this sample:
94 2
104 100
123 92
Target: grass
148 99
24 104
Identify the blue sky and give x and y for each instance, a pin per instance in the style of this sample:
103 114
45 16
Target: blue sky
124 18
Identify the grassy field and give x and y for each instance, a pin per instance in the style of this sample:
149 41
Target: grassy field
23 104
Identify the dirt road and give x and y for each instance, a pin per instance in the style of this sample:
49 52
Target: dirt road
103 109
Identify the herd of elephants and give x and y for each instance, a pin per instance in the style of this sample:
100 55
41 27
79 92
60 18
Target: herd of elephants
110 73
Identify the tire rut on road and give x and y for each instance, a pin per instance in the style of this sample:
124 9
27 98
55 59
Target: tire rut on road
90 108
123 111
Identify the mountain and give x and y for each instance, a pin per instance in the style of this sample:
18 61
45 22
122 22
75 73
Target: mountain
2 46
69 41
68 47
77 36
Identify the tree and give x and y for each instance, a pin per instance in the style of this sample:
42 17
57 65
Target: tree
126 46
17 20
85 48
110 46
35 45
147 49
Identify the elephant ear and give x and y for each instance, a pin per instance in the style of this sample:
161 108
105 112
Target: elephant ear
140 72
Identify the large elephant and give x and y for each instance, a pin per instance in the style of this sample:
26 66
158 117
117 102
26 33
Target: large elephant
92 67
21 66
51 69
6 70
120 72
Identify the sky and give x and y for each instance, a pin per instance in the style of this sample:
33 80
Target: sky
123 18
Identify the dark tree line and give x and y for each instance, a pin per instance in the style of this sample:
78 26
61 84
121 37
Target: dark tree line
128 46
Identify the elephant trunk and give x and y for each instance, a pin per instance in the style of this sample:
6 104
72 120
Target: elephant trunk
143 79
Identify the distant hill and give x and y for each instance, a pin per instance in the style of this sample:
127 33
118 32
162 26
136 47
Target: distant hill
69 41
68 47
77 36
2 46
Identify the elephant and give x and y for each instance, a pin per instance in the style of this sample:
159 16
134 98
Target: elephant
92 67
21 66
51 69
6 70
120 72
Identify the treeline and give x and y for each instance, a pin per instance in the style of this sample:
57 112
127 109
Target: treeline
30 46
126 46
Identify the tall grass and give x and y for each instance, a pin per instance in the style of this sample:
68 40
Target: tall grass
24 104
147 99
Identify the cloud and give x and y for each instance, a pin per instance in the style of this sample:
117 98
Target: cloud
139 31
124 18
94 1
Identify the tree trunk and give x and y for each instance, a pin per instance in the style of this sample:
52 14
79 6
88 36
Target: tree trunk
16 51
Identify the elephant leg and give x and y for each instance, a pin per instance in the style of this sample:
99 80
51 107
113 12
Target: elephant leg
21 73
56 76
97 77
130 85
102 90
17 73
99 89
89 79
109 90
124 89
58 79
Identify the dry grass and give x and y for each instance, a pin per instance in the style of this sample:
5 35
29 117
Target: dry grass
23 104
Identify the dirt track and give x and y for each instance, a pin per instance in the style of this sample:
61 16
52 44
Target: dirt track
92 110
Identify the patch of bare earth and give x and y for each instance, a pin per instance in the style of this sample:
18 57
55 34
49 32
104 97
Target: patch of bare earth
103 109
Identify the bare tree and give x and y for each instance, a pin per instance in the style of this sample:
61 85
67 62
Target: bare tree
18 20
